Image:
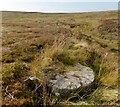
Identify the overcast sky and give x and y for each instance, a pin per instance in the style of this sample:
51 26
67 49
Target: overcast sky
58 5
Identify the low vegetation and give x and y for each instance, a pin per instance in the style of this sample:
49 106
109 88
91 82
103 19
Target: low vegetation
36 44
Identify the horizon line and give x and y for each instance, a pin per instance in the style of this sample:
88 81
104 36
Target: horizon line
57 12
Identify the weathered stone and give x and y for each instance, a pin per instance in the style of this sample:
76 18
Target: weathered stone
63 85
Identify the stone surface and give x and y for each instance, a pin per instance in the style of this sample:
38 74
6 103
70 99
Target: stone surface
63 85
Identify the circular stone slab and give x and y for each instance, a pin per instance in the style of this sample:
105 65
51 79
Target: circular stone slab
73 80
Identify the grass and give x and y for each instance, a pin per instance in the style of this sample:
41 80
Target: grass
43 60
36 44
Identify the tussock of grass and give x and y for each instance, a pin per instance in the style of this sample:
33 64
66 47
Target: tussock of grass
43 60
46 56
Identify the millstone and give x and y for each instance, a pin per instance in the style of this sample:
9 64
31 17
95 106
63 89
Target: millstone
63 85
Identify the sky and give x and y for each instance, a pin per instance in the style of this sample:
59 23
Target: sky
55 6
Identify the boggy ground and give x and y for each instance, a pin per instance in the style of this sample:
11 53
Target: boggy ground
34 44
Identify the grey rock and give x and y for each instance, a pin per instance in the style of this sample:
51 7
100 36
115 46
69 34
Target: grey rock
63 85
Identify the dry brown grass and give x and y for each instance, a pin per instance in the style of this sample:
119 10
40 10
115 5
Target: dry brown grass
41 40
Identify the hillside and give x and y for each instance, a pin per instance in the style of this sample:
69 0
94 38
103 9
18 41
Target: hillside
36 44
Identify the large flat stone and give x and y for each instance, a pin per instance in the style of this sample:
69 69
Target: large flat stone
63 85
